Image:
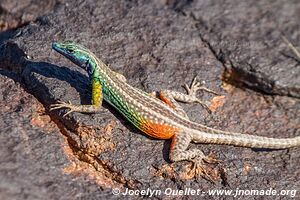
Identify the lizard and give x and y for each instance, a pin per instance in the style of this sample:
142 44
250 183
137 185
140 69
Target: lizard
159 116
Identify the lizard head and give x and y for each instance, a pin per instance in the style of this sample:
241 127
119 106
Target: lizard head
75 52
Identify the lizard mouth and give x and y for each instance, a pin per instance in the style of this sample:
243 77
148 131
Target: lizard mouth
63 51
57 47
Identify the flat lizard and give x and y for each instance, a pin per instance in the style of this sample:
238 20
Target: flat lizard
160 117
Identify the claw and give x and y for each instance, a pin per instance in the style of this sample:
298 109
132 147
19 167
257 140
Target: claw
70 111
187 88
195 86
208 90
199 168
54 107
195 82
192 90
204 105
204 166
61 104
211 160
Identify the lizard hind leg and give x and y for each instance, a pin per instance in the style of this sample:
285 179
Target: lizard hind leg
179 152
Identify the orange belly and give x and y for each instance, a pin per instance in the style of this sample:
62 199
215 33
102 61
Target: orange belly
159 131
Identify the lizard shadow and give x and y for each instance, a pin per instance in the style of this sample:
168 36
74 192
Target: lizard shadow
41 79
265 150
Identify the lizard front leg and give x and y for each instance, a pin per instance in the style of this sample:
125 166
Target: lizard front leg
168 98
97 98
179 152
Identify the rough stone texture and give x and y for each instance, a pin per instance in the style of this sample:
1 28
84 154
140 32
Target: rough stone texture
246 36
36 161
16 13
157 44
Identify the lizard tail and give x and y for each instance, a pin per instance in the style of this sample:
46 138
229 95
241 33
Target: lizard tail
246 140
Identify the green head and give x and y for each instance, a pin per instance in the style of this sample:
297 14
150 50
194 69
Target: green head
76 53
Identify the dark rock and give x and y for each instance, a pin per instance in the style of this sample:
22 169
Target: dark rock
247 38
15 13
36 161
156 45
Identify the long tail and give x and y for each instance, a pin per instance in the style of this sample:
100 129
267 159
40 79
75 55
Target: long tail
246 140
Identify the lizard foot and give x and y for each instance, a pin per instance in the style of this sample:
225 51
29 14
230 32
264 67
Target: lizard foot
192 90
62 104
200 167
195 86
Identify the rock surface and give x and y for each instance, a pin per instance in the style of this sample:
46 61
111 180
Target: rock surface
247 38
158 44
15 13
